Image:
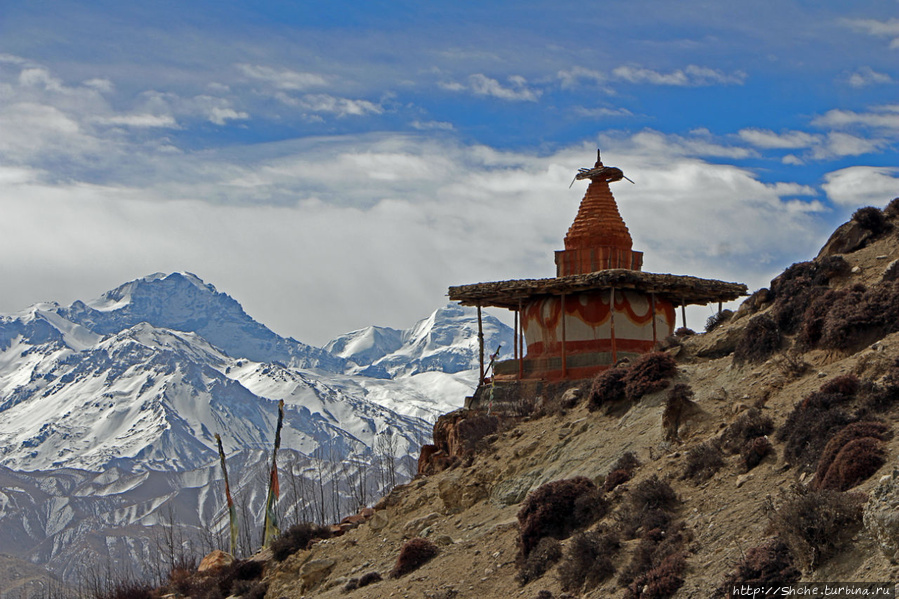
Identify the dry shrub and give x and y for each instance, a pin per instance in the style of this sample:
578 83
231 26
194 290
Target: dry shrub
550 511
649 507
856 462
590 506
414 554
541 558
369 578
748 426
588 560
754 452
760 339
872 219
654 493
622 471
816 524
655 547
892 209
857 430
717 319
608 386
768 565
661 582
615 478
297 538
127 589
851 318
815 420
703 461
684 332
649 373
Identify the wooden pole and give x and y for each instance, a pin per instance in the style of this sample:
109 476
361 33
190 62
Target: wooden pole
480 346
719 307
612 326
564 356
520 343
652 301
683 313
515 337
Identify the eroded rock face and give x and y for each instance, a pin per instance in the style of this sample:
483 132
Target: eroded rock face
881 515
848 238
459 492
455 435
315 571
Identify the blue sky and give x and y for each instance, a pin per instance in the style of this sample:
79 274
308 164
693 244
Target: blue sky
337 166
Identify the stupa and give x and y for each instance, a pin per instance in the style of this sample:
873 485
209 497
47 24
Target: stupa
600 307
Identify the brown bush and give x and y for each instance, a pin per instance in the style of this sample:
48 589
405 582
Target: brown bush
892 209
754 452
541 558
549 511
798 287
684 332
414 554
649 373
856 430
654 493
661 582
656 545
749 425
702 462
369 578
760 339
622 471
648 507
768 565
717 319
615 478
856 462
297 538
608 386
817 418
816 524
872 219
860 316
127 589
588 560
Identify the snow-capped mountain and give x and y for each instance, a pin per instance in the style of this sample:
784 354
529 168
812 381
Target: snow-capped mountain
108 411
446 341
183 302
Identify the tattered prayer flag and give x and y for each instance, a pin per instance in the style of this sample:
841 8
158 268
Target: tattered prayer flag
232 511
270 526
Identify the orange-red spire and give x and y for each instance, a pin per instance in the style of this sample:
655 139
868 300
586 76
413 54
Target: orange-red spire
598 239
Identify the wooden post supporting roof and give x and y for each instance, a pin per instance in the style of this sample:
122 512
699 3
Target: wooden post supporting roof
683 313
564 354
480 346
612 326
520 343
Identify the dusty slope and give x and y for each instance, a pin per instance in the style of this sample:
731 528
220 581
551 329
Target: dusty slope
470 512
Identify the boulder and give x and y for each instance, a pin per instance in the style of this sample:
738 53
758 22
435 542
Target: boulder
848 238
215 561
881 515
315 571
459 492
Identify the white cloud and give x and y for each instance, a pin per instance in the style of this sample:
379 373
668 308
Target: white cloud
432 125
221 116
326 103
873 27
692 75
334 218
886 117
767 139
602 112
575 75
862 186
138 120
867 76
481 85
283 78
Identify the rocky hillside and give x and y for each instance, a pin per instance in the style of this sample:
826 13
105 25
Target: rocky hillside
763 450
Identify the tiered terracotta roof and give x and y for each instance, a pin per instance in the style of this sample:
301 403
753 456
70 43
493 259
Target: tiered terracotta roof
598 239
